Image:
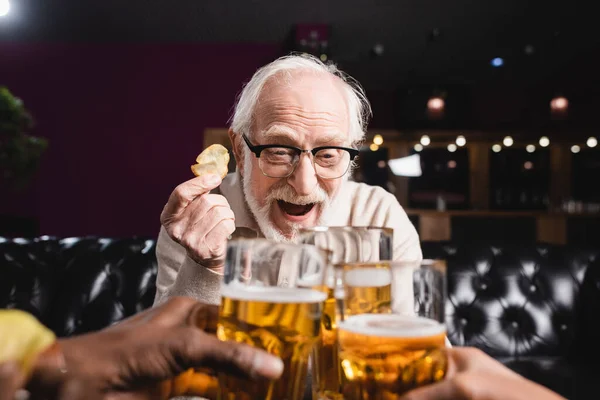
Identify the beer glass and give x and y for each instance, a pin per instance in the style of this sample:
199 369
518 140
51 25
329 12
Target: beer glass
382 356
342 244
272 297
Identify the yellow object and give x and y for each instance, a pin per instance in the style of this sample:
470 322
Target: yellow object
213 160
22 338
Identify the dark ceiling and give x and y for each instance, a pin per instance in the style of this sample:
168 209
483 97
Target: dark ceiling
563 35
472 32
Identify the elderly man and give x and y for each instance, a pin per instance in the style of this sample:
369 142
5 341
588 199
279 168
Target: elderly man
294 133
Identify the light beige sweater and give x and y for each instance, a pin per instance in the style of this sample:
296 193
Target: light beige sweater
357 204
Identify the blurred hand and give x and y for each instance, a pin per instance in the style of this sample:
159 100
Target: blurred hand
199 221
473 375
138 358
11 379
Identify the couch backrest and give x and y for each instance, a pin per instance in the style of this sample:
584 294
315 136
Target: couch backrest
507 300
514 301
76 285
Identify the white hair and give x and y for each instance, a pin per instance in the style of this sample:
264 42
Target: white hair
359 108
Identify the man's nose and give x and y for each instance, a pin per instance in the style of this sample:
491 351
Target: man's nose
304 179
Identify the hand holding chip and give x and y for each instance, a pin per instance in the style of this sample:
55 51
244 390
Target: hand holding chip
199 221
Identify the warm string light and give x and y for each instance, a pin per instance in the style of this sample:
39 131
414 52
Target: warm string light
559 104
544 141
436 104
507 141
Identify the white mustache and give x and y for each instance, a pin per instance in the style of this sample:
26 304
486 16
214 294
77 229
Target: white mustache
287 194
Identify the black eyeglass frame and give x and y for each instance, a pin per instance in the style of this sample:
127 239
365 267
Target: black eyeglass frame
257 149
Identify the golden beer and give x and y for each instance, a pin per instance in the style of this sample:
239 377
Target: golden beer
283 321
326 371
384 356
368 289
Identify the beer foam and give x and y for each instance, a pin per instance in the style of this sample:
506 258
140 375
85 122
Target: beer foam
272 294
391 325
368 277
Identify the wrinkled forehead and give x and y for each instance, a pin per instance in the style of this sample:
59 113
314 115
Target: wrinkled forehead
304 103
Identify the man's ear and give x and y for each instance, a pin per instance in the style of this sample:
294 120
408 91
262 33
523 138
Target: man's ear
236 147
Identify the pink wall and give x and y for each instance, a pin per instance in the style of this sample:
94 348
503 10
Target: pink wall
124 122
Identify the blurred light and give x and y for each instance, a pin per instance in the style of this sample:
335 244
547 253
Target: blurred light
378 140
406 166
529 49
452 147
592 142
4 7
508 141
528 165
497 62
373 147
381 164
425 140
496 148
544 141
461 141
530 148
575 148
451 164
323 57
378 49
559 104
435 103
418 147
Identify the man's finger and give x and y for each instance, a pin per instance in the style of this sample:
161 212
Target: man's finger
203 224
186 192
79 390
198 208
11 380
174 312
202 350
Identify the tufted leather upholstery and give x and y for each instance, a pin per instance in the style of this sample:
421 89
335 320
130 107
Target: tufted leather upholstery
534 307
76 285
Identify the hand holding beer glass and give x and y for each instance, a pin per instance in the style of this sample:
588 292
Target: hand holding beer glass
272 298
383 355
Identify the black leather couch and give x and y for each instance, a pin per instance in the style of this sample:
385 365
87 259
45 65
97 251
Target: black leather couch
535 308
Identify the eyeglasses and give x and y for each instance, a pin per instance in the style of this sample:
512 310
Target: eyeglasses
280 161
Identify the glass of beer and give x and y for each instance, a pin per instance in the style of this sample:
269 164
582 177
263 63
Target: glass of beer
272 297
343 244
384 355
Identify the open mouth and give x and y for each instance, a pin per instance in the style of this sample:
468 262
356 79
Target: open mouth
295 209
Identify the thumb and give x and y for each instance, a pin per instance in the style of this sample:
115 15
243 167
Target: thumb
202 350
186 192
11 380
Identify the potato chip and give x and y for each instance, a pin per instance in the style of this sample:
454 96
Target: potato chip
213 160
